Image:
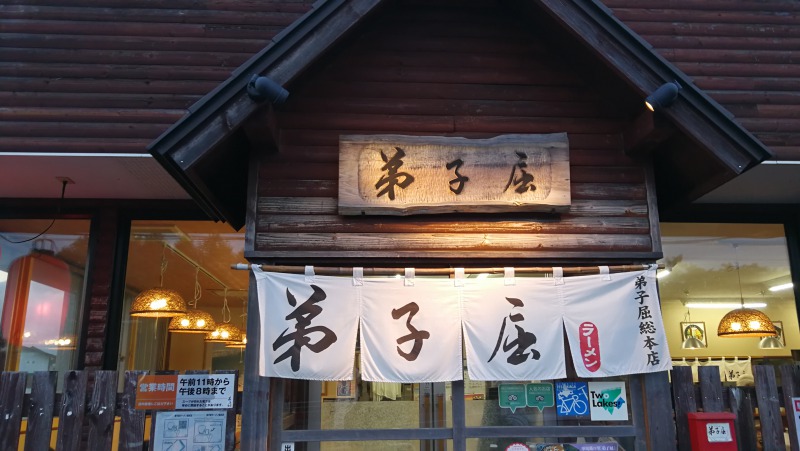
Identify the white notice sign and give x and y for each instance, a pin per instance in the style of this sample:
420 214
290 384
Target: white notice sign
718 432
204 430
205 391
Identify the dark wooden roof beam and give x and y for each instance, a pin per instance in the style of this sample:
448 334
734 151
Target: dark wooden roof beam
645 133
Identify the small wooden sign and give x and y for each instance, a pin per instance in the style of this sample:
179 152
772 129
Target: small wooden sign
404 175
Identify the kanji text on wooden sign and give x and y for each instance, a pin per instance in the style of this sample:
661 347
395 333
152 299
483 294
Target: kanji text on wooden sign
402 175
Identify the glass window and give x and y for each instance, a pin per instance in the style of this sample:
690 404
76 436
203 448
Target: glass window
192 258
41 292
714 269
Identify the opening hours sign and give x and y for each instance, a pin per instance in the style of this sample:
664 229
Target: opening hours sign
402 175
187 391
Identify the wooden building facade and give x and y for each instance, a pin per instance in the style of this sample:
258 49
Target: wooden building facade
444 68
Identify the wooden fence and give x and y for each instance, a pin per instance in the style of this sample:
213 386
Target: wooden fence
85 421
759 422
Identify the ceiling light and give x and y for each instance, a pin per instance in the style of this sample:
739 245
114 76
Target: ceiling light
158 302
194 321
783 286
744 322
692 343
770 343
724 305
663 273
225 333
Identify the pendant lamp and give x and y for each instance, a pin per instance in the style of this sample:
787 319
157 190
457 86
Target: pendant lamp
690 340
225 332
194 321
744 322
158 302
241 344
770 343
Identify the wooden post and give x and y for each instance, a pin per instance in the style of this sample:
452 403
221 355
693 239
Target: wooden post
73 405
742 405
101 411
230 421
131 428
40 410
658 410
683 398
12 393
710 388
790 381
769 412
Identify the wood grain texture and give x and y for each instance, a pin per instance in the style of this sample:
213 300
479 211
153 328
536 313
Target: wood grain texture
406 175
40 410
473 73
12 393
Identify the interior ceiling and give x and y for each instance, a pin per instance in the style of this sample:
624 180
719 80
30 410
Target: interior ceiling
101 176
717 262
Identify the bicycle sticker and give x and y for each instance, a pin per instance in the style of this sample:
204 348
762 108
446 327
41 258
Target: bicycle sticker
572 399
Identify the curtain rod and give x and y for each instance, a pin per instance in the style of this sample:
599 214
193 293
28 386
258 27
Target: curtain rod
348 271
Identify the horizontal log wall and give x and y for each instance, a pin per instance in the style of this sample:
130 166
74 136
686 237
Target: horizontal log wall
475 72
111 75
744 54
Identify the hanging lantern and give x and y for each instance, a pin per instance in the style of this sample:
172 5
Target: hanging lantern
745 322
239 345
194 321
224 333
158 302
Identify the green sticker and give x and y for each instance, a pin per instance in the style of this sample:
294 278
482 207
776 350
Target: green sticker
511 396
540 395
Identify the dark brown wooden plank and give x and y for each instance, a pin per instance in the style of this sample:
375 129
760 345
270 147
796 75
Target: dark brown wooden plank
741 404
790 384
660 423
40 410
256 424
769 413
327 205
506 224
71 413
12 395
683 397
131 429
710 388
230 422
100 414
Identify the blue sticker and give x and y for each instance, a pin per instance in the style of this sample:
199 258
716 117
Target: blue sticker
572 399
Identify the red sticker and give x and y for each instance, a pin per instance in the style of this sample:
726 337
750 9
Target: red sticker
590 346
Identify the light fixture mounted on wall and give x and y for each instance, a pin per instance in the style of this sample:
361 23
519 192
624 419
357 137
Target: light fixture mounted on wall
743 321
262 88
159 302
663 97
690 340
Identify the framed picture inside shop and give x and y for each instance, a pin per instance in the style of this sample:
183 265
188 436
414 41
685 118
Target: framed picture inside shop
696 329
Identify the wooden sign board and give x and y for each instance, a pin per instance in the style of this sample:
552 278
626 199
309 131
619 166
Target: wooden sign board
404 175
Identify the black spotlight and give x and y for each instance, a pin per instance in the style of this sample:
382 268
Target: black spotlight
263 88
663 96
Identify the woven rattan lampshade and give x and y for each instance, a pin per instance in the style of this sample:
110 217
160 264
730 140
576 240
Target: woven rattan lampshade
193 322
158 303
745 322
238 345
224 333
